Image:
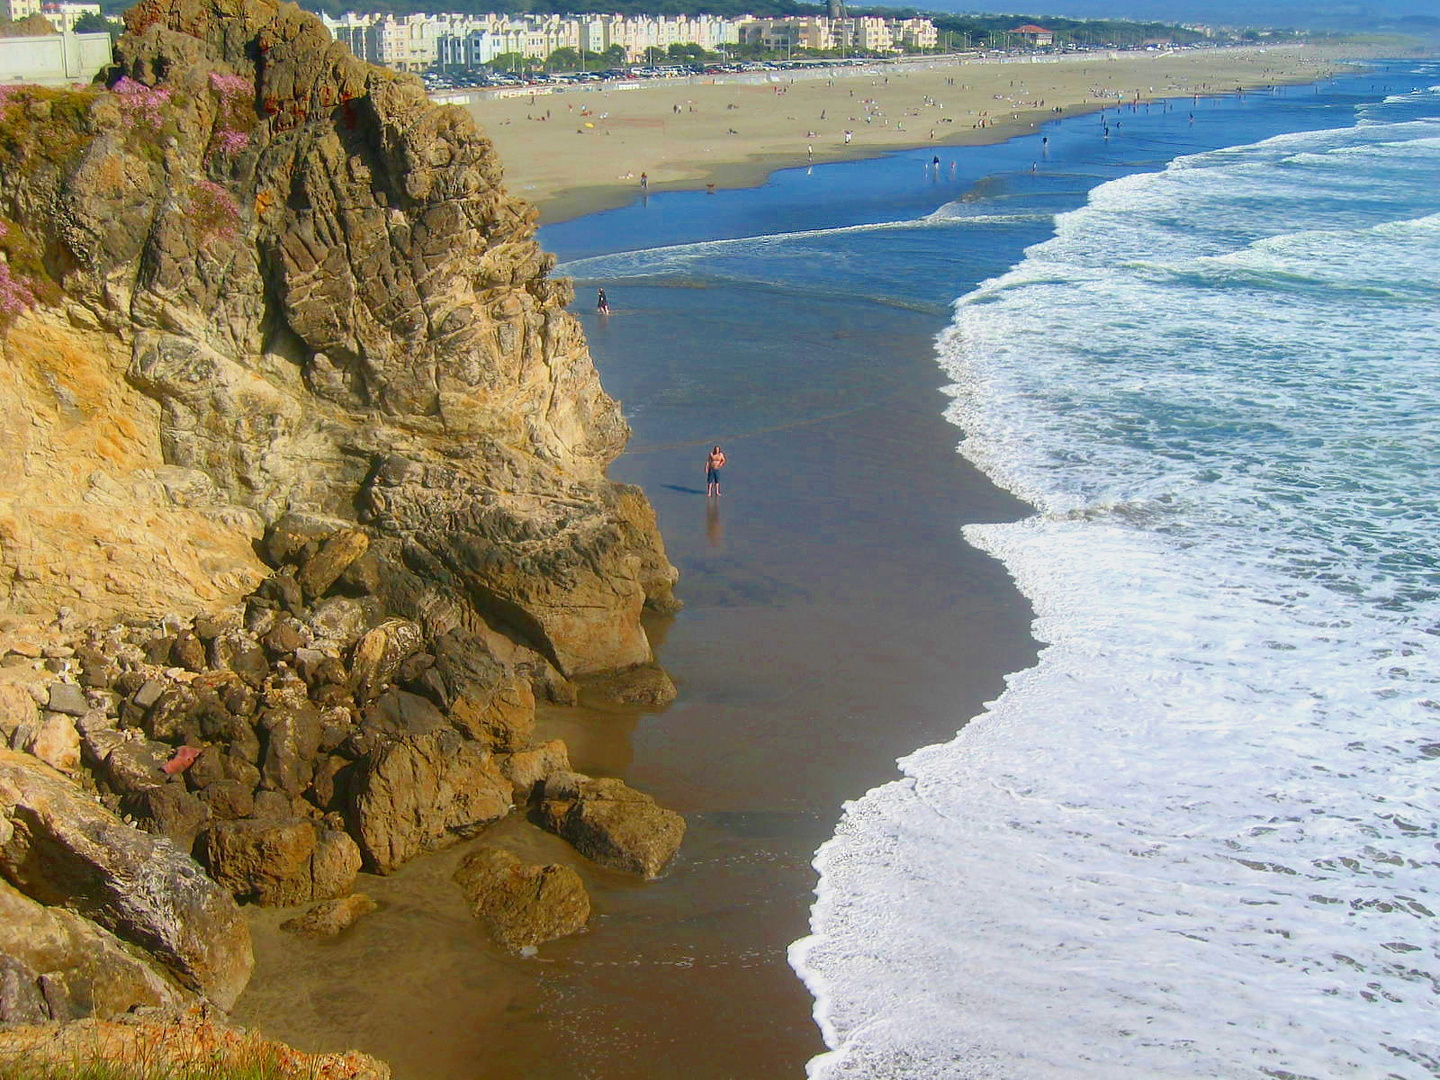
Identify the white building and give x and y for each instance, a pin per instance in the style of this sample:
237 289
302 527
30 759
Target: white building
15 10
63 16
418 42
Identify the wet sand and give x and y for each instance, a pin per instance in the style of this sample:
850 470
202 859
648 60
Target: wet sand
835 620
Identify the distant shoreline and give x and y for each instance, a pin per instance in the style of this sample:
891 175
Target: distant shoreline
580 150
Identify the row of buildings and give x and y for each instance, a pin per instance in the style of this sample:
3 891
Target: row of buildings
62 15
420 42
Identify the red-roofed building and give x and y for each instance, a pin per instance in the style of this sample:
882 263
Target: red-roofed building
1037 36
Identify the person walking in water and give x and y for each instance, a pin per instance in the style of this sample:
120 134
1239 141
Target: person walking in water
602 306
713 464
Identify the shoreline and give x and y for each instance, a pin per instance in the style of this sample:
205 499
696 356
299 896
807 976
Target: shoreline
683 133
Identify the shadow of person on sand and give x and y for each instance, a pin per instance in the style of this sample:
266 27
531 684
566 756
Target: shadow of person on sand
684 490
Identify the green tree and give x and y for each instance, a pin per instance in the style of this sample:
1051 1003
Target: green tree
563 59
90 23
615 56
654 55
510 61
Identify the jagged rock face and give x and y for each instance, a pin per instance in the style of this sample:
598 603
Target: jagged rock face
331 305
59 847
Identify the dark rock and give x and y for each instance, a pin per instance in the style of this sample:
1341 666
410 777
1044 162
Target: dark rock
290 535
272 806
157 650
66 849
97 669
176 710
335 556
327 789
379 654
21 1001
521 905
170 810
245 744
189 652
68 698
228 800
421 792
126 765
611 823
283 639
149 692
397 713
362 577
645 685
238 652
292 742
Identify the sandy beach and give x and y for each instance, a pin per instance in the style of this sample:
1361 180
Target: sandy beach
576 151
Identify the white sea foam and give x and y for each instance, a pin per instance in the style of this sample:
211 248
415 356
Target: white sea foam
1199 838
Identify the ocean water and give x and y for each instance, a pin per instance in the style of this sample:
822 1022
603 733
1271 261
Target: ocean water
1199 837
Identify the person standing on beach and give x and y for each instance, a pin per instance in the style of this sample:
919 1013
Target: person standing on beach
602 305
713 464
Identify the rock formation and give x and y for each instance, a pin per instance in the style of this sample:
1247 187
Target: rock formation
521 905
267 278
304 505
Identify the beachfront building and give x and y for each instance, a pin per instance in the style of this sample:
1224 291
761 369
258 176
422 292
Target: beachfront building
63 16
462 42
15 10
1035 36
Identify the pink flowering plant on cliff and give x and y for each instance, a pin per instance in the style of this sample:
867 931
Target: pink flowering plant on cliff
141 104
235 117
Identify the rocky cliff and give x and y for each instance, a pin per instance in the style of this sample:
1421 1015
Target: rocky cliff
304 505
256 276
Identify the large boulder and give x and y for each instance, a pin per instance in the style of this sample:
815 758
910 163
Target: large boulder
521 905
61 848
71 966
610 822
281 863
419 792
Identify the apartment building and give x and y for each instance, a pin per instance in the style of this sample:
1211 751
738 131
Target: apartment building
15 10
63 16
418 42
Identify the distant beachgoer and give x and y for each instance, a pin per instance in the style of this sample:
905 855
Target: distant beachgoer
644 181
713 464
848 136
602 305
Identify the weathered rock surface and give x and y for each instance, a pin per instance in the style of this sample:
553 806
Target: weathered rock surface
170 1042
63 967
59 847
281 863
332 918
519 904
271 279
610 822
421 792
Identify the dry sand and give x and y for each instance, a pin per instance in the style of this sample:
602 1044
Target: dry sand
578 150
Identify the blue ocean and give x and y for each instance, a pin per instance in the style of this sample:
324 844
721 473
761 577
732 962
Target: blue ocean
1201 836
